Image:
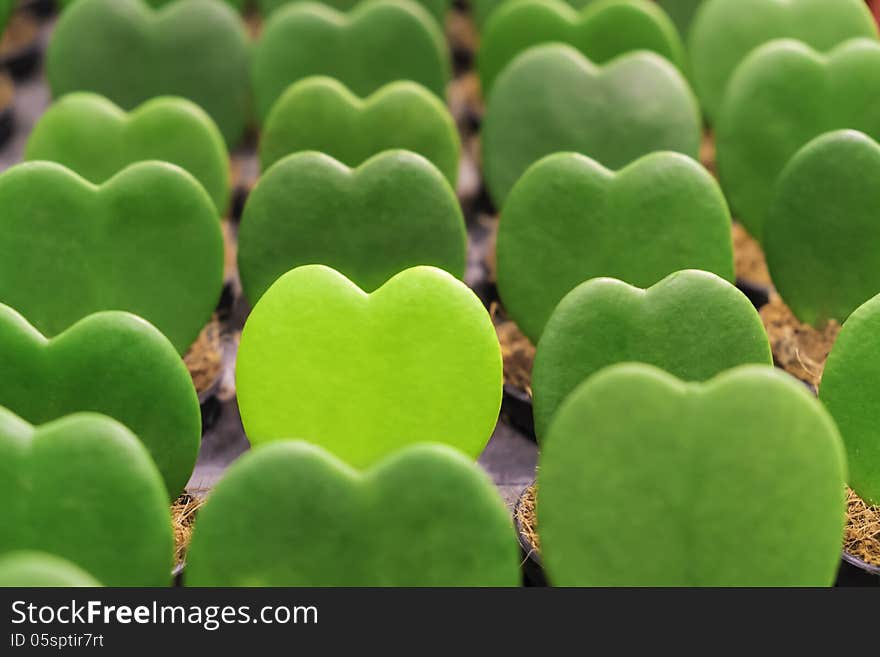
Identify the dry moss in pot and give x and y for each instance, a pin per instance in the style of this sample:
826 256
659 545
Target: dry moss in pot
693 477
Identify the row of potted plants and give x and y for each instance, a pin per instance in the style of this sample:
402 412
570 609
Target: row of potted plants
367 384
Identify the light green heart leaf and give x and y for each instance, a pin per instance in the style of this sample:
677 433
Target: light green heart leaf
321 114
569 219
90 135
393 212
849 390
374 44
147 241
398 524
601 31
111 363
822 237
648 481
129 52
364 375
551 99
39 570
692 324
724 32
784 95
85 489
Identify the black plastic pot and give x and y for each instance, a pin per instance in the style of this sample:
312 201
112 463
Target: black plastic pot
855 572
516 410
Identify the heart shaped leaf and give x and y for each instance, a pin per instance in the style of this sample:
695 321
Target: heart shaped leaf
39 570
849 390
822 237
321 114
147 241
601 31
111 363
437 8
365 375
394 212
400 523
692 324
551 99
724 32
376 43
85 489
782 96
130 53
93 137
238 4
648 481
569 219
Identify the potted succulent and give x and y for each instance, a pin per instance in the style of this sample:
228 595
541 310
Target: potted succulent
724 32
645 480
95 138
112 363
321 114
551 99
365 49
148 241
601 31
364 375
197 49
399 523
569 219
393 212
692 324
116 528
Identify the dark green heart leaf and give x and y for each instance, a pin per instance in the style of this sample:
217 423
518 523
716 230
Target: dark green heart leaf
647 481
128 52
569 219
437 8
849 389
822 236
725 31
321 114
111 363
292 515
95 138
602 31
376 43
366 375
551 98
784 95
84 488
691 324
147 241
394 212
